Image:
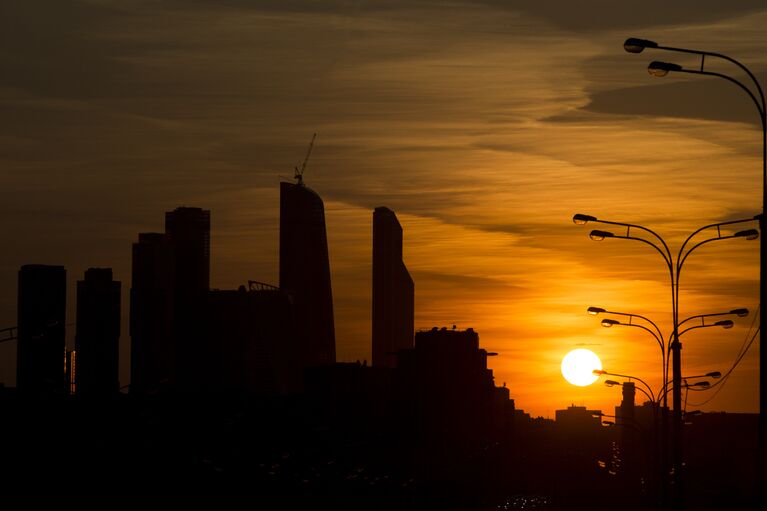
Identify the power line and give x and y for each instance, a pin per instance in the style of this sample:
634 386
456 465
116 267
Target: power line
741 353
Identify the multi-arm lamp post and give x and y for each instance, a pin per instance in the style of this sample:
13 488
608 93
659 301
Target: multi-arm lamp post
656 333
674 267
661 400
659 474
659 69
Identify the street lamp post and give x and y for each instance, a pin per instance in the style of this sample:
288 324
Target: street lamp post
657 334
659 69
674 266
655 331
655 400
661 401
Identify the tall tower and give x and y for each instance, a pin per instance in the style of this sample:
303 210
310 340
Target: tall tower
305 272
188 230
393 291
40 356
151 313
97 340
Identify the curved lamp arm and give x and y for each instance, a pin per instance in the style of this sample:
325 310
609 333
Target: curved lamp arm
723 324
718 225
636 45
659 339
759 107
750 234
741 313
582 219
651 395
598 310
599 235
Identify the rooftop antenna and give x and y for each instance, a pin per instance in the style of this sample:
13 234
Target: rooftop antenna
299 175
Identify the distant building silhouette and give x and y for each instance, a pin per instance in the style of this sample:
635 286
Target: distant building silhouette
625 413
97 338
447 398
305 272
188 231
151 313
351 393
578 420
447 370
249 342
393 291
627 403
40 360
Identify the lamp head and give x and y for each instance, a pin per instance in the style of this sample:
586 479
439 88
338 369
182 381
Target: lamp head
597 235
725 323
749 234
595 310
701 384
660 69
607 323
741 313
714 374
598 372
635 45
581 219
612 383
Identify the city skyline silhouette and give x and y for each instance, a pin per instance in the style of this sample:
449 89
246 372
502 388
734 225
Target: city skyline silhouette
452 123
170 238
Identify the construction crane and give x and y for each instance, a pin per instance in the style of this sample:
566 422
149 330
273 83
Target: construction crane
299 175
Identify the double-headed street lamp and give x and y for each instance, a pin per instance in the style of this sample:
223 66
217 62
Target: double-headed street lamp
656 333
657 401
755 92
674 267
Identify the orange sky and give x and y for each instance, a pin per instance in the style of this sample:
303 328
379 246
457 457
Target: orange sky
485 127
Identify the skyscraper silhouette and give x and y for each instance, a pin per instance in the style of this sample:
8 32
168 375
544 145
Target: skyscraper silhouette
41 322
151 313
249 342
393 291
97 340
305 272
188 230
446 395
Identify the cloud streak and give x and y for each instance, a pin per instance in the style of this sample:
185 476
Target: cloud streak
452 115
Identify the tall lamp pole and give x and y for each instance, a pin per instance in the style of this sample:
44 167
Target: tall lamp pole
674 266
635 45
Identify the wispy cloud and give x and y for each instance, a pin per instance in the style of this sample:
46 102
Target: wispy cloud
451 114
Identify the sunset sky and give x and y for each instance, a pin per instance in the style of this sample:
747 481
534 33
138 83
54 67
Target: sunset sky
484 125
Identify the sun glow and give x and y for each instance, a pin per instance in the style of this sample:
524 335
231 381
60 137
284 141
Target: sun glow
578 367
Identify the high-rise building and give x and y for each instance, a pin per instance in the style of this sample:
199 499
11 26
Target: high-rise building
393 291
249 342
40 359
305 272
446 395
97 339
151 313
626 413
188 230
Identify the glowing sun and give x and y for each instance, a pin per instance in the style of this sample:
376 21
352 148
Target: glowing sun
578 367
